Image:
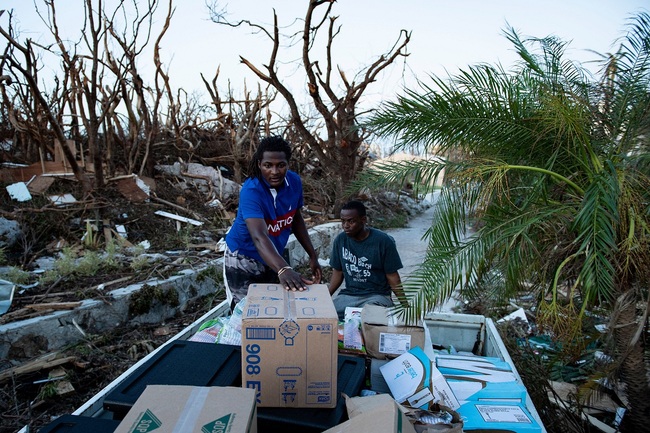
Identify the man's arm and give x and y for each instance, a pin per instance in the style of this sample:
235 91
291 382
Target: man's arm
395 283
299 229
291 279
335 281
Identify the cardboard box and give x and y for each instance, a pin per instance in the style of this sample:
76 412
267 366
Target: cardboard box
387 336
350 381
476 368
192 409
373 414
415 381
497 417
289 346
465 390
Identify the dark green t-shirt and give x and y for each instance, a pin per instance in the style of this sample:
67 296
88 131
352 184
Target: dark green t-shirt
365 263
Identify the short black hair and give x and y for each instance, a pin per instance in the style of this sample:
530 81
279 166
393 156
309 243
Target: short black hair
273 143
355 205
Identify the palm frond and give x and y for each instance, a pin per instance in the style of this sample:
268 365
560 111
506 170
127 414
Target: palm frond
596 225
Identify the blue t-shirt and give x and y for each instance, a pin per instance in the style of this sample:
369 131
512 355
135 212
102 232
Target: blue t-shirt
365 263
276 207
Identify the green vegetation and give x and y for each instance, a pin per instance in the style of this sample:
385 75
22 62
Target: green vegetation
550 168
141 301
16 275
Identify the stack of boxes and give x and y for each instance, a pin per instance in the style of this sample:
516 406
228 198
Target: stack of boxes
290 358
484 391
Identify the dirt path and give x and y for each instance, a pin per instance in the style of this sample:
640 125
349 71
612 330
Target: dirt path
412 248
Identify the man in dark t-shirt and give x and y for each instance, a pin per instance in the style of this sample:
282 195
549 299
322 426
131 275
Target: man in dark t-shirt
367 260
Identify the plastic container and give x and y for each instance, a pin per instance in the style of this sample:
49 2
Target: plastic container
179 363
80 424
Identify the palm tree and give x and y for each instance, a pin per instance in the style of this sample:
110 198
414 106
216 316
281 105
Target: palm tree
555 181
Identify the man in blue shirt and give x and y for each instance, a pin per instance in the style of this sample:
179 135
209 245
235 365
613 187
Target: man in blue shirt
269 211
367 259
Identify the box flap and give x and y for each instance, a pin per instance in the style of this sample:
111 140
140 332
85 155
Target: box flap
371 414
175 408
273 301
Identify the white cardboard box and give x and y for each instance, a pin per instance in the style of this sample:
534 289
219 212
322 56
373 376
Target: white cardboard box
488 391
477 368
415 381
496 417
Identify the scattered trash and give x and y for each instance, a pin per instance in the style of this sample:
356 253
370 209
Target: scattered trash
40 184
518 314
178 218
62 200
121 230
602 328
7 289
18 191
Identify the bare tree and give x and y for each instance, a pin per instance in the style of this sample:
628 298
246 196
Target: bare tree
338 147
21 61
99 79
243 121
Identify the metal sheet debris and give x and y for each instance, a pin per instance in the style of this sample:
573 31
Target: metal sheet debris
7 289
179 218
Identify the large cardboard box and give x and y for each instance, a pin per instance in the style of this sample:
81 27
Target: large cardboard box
415 381
373 414
192 409
386 335
289 346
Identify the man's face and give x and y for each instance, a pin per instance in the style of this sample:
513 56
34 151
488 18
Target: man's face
352 223
274 166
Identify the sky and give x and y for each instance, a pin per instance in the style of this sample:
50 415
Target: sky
446 36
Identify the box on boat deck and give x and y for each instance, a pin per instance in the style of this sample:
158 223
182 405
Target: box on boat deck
192 409
495 417
387 336
467 389
289 346
415 381
350 379
476 368
371 414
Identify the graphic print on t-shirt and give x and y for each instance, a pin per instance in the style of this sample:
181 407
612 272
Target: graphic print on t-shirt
357 267
276 226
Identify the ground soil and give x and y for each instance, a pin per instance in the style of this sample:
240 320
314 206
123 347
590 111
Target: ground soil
25 400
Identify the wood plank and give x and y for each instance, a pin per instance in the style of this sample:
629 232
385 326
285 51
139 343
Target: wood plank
54 306
47 361
40 184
